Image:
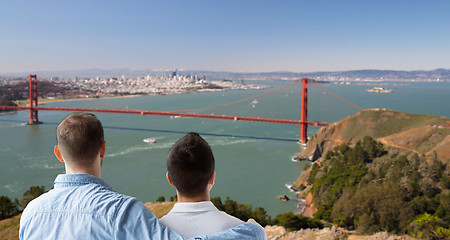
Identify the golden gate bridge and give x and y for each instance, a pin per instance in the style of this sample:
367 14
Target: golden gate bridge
303 122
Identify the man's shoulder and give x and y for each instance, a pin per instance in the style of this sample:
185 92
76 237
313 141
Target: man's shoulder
89 198
191 219
107 200
247 230
107 209
230 217
42 202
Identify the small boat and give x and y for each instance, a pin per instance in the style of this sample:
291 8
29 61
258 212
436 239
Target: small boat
149 140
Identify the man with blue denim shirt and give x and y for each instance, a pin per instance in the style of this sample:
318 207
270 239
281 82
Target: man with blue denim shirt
82 206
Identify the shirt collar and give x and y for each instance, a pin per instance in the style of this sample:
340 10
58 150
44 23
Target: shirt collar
205 206
78 179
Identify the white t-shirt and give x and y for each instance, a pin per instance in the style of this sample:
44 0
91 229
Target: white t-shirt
198 218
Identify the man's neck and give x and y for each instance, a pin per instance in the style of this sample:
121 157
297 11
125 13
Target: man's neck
200 198
92 171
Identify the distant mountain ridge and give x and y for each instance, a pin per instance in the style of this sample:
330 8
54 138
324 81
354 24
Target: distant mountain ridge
353 75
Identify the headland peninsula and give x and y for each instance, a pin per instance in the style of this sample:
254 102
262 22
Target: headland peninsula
380 170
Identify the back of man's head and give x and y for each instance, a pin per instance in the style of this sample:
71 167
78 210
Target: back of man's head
80 138
190 164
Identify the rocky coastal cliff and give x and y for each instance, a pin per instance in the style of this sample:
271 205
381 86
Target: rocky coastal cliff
405 133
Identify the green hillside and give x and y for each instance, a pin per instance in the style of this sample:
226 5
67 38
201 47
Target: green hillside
423 132
381 170
367 188
381 123
9 228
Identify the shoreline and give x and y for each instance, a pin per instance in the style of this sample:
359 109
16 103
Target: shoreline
308 206
47 100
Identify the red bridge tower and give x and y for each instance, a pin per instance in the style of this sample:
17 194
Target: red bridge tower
33 101
304 116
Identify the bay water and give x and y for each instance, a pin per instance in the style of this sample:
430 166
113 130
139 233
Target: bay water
253 160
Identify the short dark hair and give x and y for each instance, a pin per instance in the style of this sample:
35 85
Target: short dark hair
190 164
80 137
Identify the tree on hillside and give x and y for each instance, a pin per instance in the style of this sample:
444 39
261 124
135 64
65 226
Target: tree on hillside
242 211
6 102
161 199
294 222
7 208
372 148
428 227
32 193
260 216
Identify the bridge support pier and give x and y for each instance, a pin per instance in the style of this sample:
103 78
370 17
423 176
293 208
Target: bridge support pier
33 101
304 116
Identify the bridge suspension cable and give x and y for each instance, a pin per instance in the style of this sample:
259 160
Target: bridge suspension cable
243 100
336 96
239 101
108 105
204 108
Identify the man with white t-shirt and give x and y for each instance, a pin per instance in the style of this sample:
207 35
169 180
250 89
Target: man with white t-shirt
190 166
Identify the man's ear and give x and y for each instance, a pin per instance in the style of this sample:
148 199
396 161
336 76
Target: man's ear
213 178
103 150
169 180
58 153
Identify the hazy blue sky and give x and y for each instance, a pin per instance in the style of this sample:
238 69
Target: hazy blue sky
229 35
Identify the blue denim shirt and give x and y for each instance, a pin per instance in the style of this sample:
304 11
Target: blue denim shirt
82 206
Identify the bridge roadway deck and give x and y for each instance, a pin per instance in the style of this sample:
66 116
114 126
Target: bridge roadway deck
170 113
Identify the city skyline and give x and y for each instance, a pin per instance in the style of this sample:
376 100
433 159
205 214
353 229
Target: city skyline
234 36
